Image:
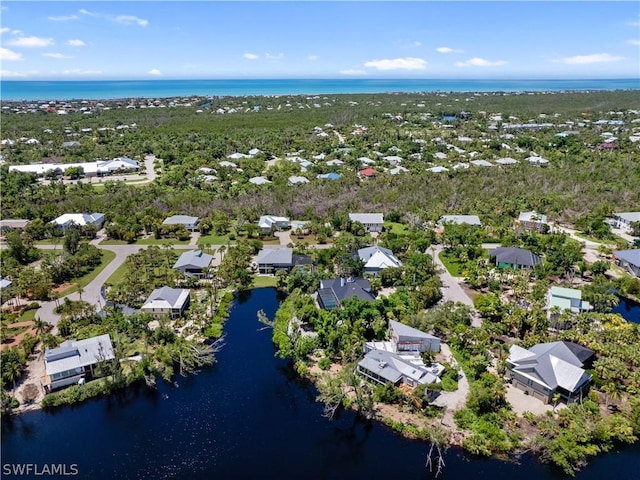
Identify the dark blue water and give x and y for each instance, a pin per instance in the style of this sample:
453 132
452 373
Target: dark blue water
104 89
248 416
629 310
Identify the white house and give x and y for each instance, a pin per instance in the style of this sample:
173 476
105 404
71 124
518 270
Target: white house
372 222
167 301
378 258
461 220
75 360
79 219
190 223
267 222
623 220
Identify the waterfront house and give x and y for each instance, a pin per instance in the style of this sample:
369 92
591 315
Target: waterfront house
193 263
533 221
629 260
409 339
372 222
383 367
623 220
190 223
552 368
335 290
167 301
377 258
514 258
270 260
560 299
69 220
75 360
268 222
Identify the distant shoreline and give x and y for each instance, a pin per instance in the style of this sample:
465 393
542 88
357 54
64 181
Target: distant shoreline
31 91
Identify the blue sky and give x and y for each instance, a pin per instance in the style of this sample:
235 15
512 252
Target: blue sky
348 39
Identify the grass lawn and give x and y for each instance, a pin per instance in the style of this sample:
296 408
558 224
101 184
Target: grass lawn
452 264
213 240
113 242
49 241
107 258
161 241
264 281
309 239
117 276
611 241
28 315
271 242
397 228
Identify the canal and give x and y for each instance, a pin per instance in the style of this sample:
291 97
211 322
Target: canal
247 416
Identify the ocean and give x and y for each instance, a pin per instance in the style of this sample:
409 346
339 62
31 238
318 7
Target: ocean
111 89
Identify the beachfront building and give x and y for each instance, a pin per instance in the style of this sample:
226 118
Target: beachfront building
73 361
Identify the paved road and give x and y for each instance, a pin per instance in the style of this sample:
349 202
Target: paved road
451 288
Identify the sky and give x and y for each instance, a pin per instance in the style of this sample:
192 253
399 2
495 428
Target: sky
90 40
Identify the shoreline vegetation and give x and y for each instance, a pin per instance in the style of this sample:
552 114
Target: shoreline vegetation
409 156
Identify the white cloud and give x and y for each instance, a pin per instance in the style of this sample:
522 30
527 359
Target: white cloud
10 74
131 20
7 55
64 18
250 56
634 42
4 30
31 42
417 44
589 59
55 55
77 71
449 50
312 58
480 62
88 13
271 56
406 63
352 71
634 24
155 72
76 43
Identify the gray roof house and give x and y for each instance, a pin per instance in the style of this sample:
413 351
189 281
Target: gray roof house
73 360
190 223
629 259
333 291
565 299
270 260
461 219
552 368
167 301
623 220
533 221
372 222
514 258
13 223
407 338
193 263
382 366
377 258
5 283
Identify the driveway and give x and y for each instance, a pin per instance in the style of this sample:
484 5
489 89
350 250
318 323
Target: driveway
93 291
451 286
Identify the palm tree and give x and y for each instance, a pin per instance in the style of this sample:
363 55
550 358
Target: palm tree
41 328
